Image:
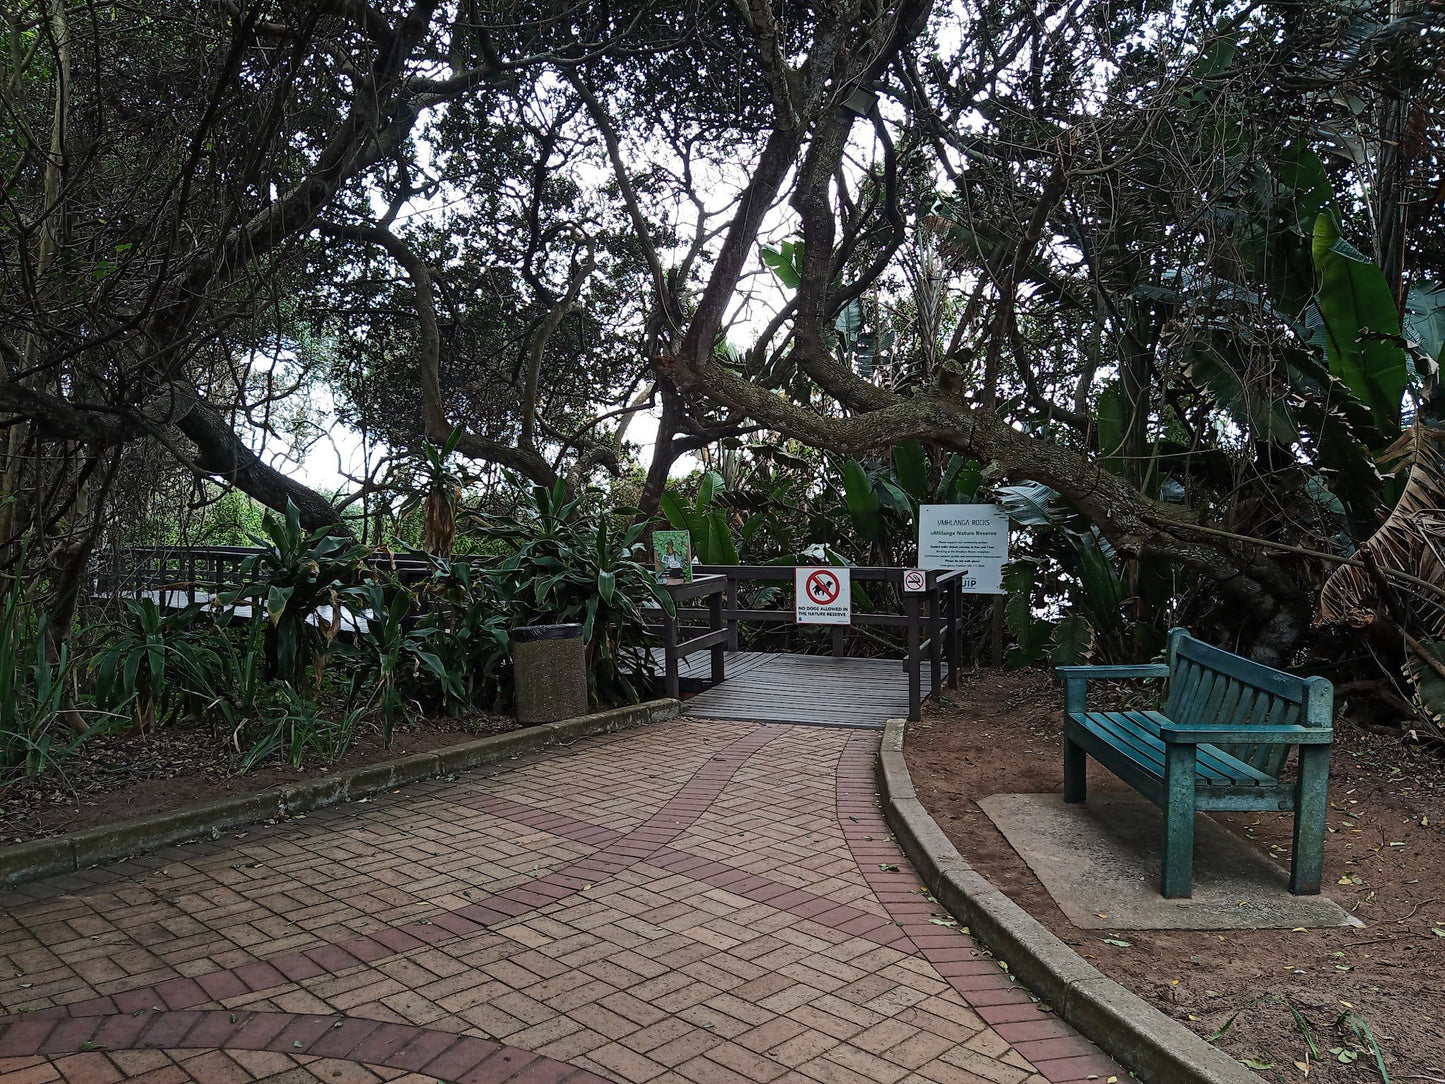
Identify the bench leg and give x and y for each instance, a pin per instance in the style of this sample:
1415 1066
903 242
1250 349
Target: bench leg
1076 786
1177 881
1075 759
1306 865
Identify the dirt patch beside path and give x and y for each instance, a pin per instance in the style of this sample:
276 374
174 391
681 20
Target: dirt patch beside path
1002 732
117 777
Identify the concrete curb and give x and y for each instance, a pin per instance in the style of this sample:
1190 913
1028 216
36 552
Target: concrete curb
95 846
1156 1049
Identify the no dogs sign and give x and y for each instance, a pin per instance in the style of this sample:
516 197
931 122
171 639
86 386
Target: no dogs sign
824 596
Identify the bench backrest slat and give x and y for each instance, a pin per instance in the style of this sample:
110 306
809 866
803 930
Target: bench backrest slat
1210 685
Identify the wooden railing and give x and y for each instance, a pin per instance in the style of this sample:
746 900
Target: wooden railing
180 575
931 621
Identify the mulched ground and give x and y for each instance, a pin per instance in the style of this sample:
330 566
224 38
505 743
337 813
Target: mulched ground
1384 862
117 777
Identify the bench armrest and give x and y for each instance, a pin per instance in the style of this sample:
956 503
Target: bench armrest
1214 733
1114 673
1077 678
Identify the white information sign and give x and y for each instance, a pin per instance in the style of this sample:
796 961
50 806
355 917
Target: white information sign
968 538
824 596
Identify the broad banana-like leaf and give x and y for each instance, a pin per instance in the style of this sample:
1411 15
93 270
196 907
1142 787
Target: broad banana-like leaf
960 481
712 538
1031 504
682 517
1303 175
720 547
711 485
910 467
1073 641
1428 681
1425 320
786 262
1109 416
865 507
1361 324
893 497
1031 636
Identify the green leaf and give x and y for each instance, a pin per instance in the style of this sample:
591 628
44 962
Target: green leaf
1303 175
894 498
720 547
606 585
276 599
1110 417
1031 504
785 261
711 485
1425 319
1355 303
865 507
1429 685
682 517
1073 642
960 481
910 467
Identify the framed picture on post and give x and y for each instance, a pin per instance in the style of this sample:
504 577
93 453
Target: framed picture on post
672 556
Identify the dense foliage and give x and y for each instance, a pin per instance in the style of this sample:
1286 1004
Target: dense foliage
329 636
1166 278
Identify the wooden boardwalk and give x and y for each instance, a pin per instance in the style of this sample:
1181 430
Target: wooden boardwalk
817 689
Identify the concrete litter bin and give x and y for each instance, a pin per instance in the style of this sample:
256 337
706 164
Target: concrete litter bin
551 672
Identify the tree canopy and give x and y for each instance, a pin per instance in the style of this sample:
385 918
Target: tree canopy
1176 264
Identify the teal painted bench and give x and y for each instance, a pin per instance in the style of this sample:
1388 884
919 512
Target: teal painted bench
1220 743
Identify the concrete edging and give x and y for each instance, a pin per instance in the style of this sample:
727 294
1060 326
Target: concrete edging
94 846
1141 1038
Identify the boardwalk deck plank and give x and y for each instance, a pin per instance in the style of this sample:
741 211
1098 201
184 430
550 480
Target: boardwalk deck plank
817 689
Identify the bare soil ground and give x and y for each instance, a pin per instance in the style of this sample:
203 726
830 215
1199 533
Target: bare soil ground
117 777
1272 992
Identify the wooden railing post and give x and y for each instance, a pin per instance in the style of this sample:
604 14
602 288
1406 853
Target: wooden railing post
732 604
672 687
914 659
715 624
955 631
935 637
840 645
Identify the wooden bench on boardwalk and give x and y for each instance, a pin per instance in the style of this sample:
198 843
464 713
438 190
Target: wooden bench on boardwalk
1220 743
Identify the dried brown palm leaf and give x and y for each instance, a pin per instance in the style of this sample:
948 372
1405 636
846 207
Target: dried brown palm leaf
1411 541
439 520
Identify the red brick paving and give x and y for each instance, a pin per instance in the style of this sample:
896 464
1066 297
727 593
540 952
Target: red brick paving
695 902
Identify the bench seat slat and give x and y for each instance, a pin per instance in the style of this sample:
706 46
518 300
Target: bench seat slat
1136 734
1212 767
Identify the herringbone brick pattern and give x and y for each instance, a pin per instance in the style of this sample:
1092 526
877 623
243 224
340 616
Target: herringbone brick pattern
693 902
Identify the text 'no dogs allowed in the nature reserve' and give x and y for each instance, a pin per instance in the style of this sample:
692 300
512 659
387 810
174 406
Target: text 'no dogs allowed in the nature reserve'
824 595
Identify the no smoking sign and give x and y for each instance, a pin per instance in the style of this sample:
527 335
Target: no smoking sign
824 596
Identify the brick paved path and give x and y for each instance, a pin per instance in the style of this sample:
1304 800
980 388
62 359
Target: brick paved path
695 901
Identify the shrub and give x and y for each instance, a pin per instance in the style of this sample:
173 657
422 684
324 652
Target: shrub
560 569
32 689
156 665
303 583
